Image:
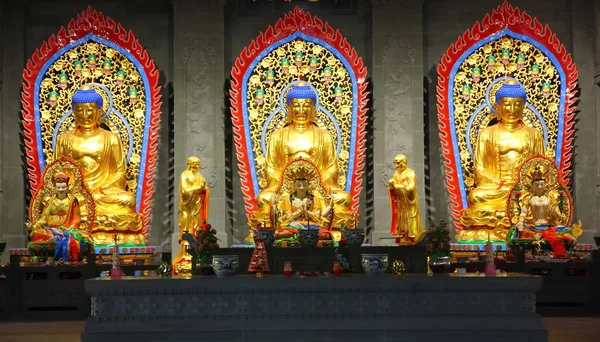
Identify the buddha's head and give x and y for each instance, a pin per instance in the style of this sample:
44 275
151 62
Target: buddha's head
61 184
538 182
301 186
301 103
400 162
510 102
193 163
87 107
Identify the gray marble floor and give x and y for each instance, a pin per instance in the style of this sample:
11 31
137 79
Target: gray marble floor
561 329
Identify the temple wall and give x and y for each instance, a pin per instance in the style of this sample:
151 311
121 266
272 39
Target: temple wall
194 45
572 22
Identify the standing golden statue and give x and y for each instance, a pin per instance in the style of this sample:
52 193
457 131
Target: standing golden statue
499 152
99 154
402 188
193 204
302 138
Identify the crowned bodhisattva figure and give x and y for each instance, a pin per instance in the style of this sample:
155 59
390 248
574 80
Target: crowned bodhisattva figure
499 152
302 138
59 223
99 154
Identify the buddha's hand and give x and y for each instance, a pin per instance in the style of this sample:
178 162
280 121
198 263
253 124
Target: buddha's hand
520 226
391 183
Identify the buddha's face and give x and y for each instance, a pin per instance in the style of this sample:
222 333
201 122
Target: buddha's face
301 186
539 187
61 188
510 110
193 164
400 163
301 110
87 115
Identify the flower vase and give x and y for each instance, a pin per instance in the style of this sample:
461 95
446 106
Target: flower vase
205 269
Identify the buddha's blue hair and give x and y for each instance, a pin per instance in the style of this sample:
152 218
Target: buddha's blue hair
301 92
86 96
511 90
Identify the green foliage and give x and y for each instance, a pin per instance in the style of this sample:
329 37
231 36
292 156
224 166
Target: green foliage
207 244
437 241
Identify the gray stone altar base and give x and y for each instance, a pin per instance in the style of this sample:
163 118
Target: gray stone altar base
347 308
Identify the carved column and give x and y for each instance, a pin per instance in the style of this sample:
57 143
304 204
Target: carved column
199 76
12 228
397 101
596 32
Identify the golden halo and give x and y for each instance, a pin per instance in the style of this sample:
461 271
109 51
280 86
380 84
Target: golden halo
547 167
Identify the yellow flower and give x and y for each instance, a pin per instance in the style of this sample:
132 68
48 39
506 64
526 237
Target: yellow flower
464 155
525 47
253 113
317 50
280 52
110 53
342 181
138 114
260 160
469 182
135 158
299 45
72 54
487 49
255 79
265 63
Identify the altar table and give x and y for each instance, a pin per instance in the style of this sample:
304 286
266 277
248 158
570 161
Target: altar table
346 308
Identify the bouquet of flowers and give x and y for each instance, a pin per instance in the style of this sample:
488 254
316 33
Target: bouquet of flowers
206 244
437 241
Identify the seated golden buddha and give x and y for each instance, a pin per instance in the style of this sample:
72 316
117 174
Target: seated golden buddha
499 152
100 156
301 138
540 208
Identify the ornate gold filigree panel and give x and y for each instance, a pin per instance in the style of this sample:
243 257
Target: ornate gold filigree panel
269 82
118 81
481 74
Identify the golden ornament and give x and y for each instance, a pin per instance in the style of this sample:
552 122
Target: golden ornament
398 267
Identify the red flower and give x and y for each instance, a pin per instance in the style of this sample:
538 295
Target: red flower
435 238
213 231
518 194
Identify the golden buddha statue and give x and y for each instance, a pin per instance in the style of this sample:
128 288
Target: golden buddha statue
193 206
406 219
541 208
499 152
100 156
301 138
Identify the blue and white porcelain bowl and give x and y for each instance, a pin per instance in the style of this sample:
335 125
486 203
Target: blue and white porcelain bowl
225 265
374 264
